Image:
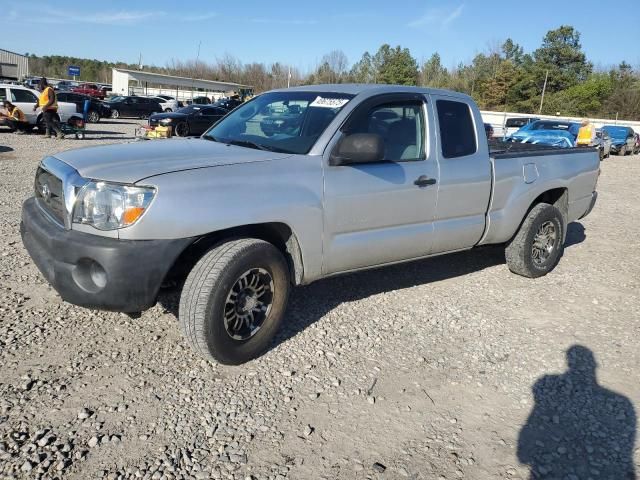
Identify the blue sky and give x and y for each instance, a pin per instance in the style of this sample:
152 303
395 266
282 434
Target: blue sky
300 32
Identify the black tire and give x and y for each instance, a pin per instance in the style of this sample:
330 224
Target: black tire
601 153
115 113
520 254
204 302
182 129
40 125
167 110
93 116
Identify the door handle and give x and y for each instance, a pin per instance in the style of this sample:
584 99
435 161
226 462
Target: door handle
424 181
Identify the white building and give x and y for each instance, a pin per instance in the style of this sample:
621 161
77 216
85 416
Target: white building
13 66
138 82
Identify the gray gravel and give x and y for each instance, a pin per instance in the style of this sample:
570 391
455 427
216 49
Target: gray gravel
421 371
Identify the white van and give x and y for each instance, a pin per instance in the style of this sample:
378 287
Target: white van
25 98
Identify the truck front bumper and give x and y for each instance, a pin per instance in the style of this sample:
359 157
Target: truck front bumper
98 272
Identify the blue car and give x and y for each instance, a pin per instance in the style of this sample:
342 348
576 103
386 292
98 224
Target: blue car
546 129
623 141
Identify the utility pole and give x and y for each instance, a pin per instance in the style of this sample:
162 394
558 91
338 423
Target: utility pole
544 88
289 78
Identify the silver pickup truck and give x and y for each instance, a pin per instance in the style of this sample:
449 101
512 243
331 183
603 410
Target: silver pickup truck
290 187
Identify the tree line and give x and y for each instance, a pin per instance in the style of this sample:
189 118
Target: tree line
503 78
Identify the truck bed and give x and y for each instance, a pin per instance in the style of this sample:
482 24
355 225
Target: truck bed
499 149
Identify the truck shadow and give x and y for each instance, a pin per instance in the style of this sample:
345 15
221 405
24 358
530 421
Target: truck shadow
331 292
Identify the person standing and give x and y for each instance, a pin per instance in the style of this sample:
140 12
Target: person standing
14 118
49 105
586 134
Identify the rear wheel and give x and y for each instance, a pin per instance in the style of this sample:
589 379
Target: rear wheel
234 299
115 113
538 245
168 110
93 116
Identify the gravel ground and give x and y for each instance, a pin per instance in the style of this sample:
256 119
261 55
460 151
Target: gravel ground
441 369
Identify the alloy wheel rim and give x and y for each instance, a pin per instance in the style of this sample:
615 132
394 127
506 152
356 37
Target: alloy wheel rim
248 304
544 242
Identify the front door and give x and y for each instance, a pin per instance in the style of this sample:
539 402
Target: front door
24 100
382 212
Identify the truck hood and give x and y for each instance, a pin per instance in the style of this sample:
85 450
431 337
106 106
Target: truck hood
131 162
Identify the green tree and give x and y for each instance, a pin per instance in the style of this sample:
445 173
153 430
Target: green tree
562 56
396 66
363 71
433 74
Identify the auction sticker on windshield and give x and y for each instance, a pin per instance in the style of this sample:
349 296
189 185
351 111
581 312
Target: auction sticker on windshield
329 102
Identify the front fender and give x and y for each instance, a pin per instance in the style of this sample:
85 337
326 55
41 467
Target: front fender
201 201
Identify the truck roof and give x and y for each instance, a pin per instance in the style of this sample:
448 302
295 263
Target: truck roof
371 89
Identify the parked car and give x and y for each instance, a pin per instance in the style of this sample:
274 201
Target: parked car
97 108
199 101
168 104
90 89
603 142
133 106
551 125
32 83
623 139
637 149
228 103
283 119
552 138
25 98
191 120
513 124
244 216
65 85
488 130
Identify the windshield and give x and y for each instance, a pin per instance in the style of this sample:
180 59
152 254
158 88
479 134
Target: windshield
516 122
288 122
616 132
116 99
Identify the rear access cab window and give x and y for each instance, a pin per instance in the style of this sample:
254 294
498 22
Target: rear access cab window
457 132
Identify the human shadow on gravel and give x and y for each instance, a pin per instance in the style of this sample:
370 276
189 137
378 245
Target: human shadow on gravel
5 149
577 428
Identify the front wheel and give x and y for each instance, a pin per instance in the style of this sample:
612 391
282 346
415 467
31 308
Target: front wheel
537 247
234 299
182 129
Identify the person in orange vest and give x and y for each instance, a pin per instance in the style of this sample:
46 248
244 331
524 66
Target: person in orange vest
586 134
49 105
14 118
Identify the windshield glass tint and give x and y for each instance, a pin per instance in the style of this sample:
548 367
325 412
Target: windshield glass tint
188 109
616 132
550 126
289 122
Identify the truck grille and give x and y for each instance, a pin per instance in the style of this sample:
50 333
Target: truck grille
49 192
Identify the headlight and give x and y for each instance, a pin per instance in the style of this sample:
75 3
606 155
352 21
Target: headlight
108 206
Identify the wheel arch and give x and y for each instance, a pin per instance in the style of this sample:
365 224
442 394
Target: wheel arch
277 233
559 198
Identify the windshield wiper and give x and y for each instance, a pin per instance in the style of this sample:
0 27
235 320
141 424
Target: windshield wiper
250 144
211 138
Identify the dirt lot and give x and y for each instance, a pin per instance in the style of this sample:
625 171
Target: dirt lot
447 368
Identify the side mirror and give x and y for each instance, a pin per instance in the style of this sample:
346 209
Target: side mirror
358 148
